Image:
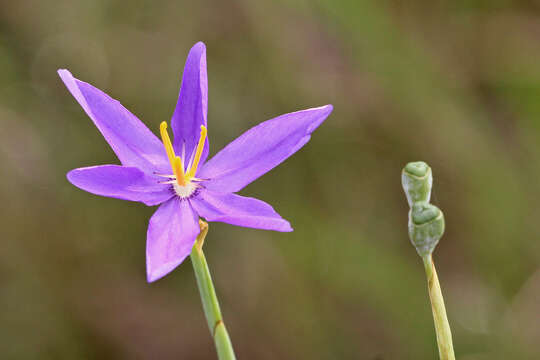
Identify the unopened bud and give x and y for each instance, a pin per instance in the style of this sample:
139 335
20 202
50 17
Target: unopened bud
417 180
426 227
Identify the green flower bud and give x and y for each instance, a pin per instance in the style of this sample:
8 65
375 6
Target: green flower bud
426 227
417 180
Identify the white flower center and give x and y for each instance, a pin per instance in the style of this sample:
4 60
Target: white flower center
186 190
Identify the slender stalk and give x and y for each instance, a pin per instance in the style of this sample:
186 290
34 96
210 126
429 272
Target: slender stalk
209 299
442 327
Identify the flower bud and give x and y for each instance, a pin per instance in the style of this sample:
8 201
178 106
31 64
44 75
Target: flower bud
426 227
417 180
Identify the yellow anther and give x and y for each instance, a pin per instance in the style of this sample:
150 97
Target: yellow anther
178 169
200 147
167 142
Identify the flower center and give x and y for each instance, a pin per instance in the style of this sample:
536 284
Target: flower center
183 180
185 191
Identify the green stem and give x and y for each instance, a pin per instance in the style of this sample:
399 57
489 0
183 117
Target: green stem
442 327
209 299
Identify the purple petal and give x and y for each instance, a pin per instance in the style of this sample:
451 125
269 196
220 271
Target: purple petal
126 183
260 149
238 210
171 234
192 106
129 138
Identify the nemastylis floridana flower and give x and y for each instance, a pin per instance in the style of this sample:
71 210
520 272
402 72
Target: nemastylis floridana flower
175 175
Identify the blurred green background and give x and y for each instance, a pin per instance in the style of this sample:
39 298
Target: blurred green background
453 83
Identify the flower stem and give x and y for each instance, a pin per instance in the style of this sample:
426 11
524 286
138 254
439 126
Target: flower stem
442 327
209 299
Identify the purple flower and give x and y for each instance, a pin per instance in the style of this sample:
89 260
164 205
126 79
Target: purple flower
175 175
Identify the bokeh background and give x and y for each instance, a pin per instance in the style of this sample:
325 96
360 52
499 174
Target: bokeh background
454 83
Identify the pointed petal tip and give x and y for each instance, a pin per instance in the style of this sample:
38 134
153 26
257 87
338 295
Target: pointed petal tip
199 49
153 276
200 44
68 175
71 176
156 274
75 176
286 227
65 75
165 269
328 108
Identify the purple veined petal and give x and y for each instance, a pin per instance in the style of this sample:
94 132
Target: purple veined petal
260 149
133 143
192 106
126 183
171 234
238 210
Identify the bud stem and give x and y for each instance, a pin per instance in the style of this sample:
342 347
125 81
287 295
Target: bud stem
209 299
442 327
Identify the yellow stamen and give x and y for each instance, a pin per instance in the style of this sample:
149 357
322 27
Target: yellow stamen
200 146
167 142
176 161
178 169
